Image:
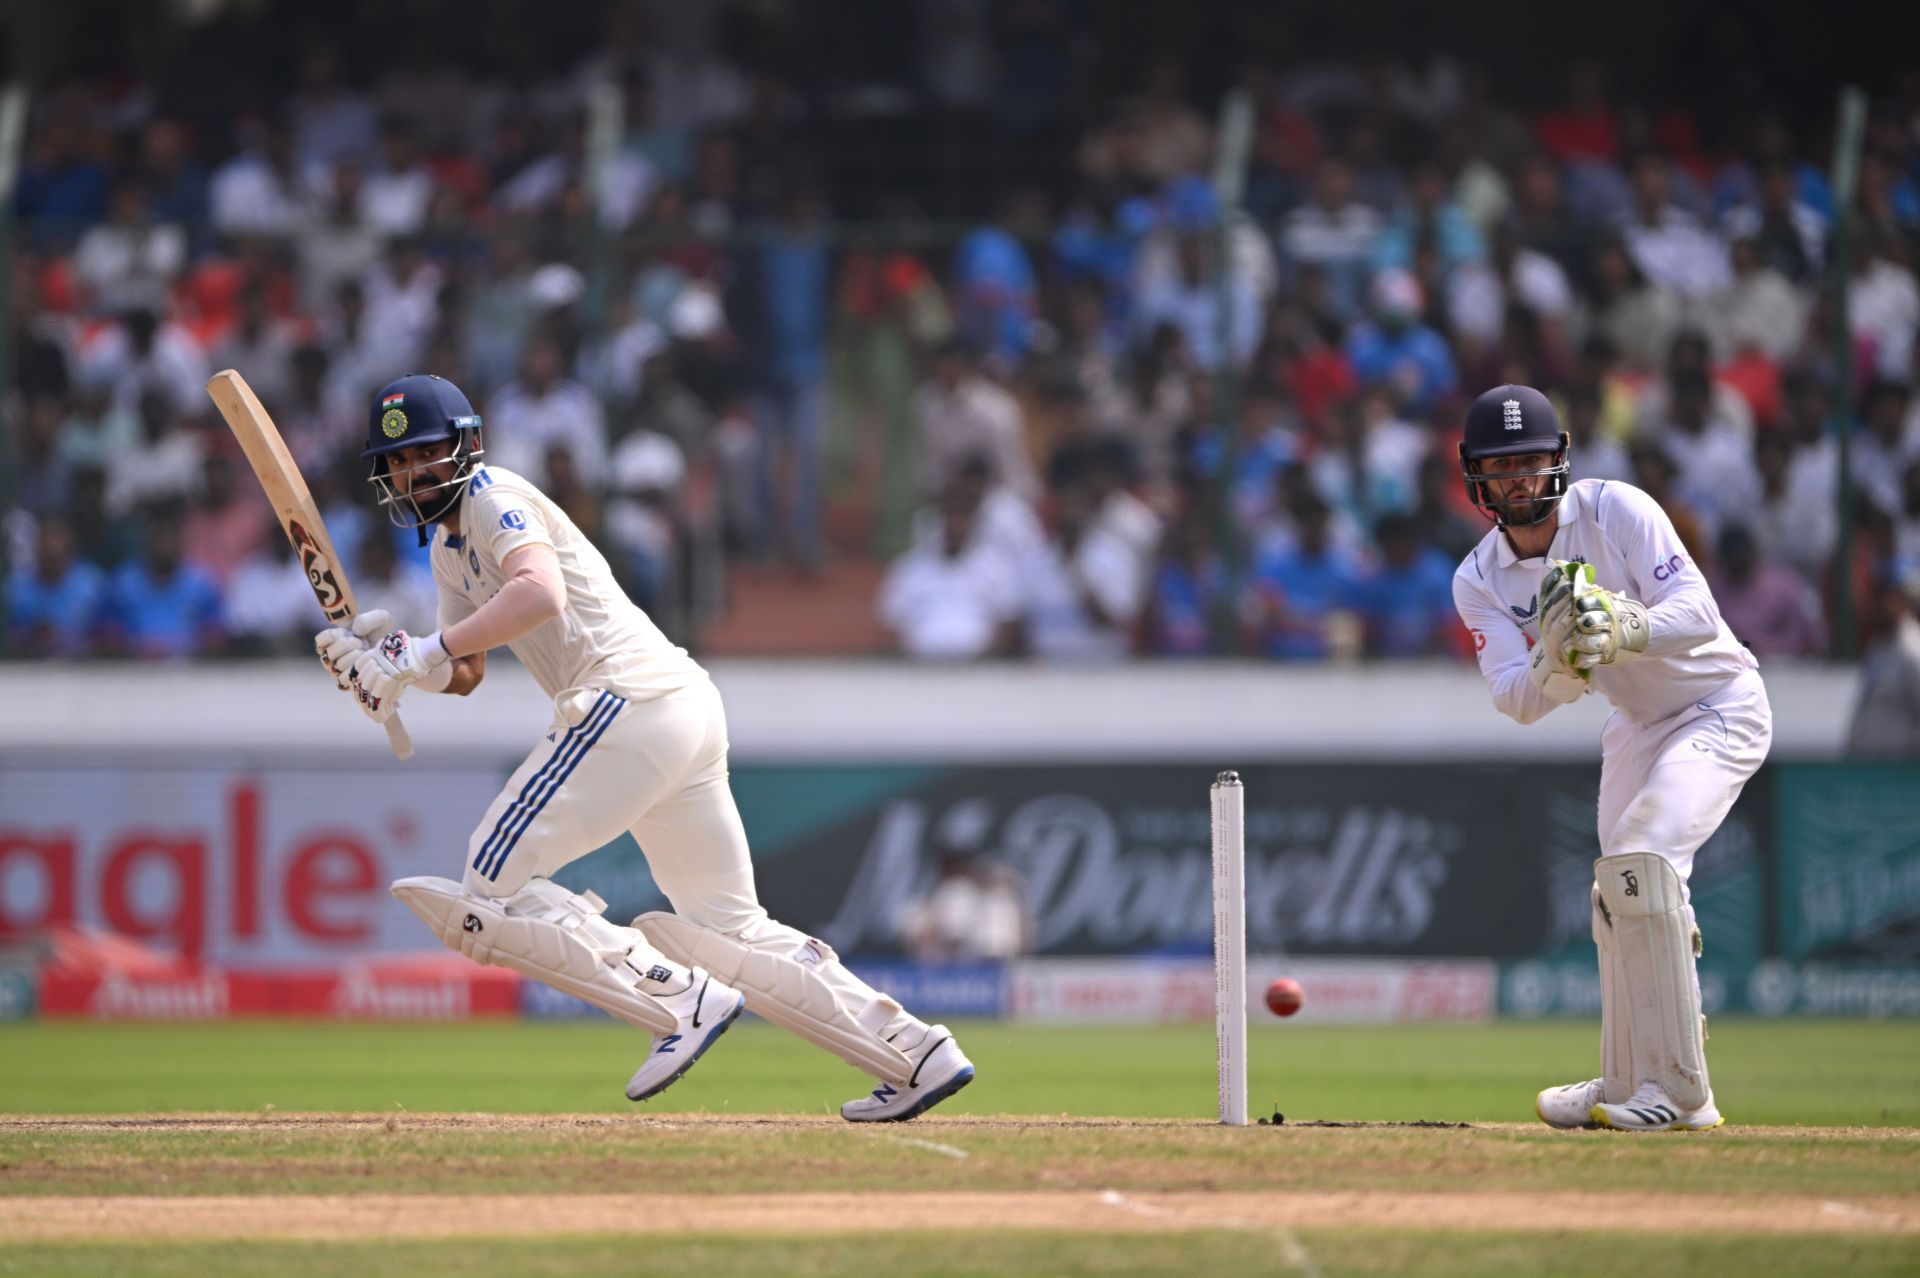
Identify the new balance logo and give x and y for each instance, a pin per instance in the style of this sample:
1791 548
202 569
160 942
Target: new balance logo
884 1092
666 1045
1510 412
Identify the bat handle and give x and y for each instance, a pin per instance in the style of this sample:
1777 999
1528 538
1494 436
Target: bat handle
397 738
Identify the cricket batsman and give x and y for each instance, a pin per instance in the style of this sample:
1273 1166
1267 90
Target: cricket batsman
638 743
1586 588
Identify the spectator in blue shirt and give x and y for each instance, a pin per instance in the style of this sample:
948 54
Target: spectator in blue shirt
995 289
1406 602
1187 585
793 271
53 604
161 605
1398 351
1302 589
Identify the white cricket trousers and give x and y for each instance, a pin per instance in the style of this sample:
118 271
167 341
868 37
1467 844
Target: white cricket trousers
657 769
1666 786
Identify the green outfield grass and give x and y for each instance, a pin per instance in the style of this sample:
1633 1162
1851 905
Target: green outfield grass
1829 1073
1345 1254
1825 1116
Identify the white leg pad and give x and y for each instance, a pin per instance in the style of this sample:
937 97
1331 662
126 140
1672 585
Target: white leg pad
554 936
1616 1029
1657 946
797 983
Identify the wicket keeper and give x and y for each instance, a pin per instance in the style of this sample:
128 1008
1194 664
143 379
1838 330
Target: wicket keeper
1584 588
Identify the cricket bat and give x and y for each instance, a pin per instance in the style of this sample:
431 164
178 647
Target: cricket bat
292 504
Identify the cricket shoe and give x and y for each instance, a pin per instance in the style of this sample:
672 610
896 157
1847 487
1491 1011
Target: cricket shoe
1650 1109
939 1070
706 1008
1570 1108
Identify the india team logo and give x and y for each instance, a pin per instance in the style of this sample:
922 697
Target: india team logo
1510 410
393 423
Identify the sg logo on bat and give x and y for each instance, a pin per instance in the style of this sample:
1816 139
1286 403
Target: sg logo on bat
319 572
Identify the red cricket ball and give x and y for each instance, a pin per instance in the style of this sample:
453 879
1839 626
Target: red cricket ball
1285 997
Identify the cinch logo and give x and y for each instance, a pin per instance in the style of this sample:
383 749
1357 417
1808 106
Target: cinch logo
1671 568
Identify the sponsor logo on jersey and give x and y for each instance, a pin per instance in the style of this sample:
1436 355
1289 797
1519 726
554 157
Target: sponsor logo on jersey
473 560
393 423
1670 569
513 519
1510 412
481 479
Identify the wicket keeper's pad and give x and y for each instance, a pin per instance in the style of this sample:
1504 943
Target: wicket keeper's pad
797 983
545 932
1616 1038
1657 946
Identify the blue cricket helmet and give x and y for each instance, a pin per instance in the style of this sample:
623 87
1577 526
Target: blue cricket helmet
1511 421
421 408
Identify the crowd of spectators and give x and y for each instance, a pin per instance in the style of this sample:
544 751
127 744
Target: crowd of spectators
1086 410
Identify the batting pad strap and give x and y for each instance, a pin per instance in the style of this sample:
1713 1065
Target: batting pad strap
1644 896
785 977
552 936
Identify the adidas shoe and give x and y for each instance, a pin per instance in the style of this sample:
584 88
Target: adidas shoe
1571 1107
1650 1109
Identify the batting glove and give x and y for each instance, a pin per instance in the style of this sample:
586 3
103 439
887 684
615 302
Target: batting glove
399 660
377 706
338 646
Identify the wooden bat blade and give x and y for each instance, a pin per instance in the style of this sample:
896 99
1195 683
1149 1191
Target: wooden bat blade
293 505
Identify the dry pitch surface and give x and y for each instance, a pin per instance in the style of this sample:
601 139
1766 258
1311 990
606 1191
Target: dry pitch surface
264 1177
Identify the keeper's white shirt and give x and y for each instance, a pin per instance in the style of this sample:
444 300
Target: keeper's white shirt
1623 533
601 640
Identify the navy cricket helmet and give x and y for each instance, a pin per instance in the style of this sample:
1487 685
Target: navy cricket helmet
1510 421
421 409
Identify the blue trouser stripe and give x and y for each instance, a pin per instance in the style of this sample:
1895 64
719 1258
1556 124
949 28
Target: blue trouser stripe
525 802
543 786
485 855
553 786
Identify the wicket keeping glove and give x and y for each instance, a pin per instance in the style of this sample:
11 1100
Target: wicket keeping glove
1557 681
338 646
1606 627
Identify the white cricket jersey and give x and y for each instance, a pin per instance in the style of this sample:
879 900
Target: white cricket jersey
1635 552
601 640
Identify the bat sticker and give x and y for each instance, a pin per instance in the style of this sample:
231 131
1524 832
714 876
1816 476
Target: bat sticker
319 572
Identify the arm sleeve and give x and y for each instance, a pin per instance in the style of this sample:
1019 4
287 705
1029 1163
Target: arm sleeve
502 521
1681 614
451 607
532 595
1502 651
